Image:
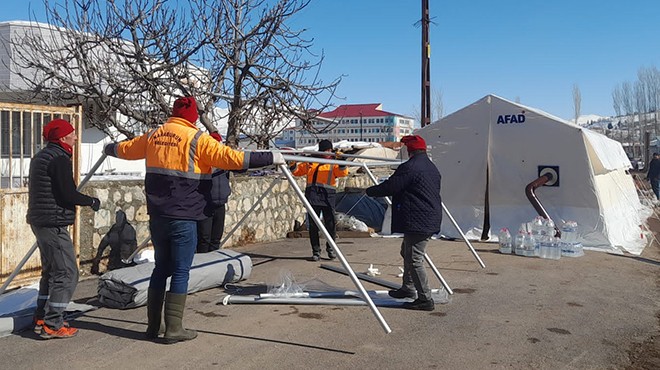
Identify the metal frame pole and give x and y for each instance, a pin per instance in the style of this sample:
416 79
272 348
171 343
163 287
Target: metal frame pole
34 247
474 252
298 158
343 155
137 250
426 256
444 208
330 240
144 244
254 206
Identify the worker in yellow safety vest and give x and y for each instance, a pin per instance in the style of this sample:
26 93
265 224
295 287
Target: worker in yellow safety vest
320 192
179 159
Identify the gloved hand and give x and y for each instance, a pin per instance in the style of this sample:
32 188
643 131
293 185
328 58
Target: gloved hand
109 149
95 268
339 155
96 204
278 158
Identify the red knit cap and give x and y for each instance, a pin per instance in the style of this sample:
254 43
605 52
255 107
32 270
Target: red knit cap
185 108
57 129
413 142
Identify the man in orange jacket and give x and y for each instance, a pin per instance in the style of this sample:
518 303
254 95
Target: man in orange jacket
320 192
179 158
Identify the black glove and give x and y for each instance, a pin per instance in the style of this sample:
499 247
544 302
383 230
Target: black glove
95 268
96 204
109 149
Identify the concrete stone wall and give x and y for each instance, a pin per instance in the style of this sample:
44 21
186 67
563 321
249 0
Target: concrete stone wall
271 220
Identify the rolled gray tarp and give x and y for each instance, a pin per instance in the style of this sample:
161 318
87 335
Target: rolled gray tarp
127 287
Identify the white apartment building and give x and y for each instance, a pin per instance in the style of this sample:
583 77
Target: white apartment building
353 122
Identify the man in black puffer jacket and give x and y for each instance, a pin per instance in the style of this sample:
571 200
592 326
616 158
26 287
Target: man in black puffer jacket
52 201
417 213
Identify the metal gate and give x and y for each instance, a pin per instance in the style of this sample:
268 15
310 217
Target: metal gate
20 138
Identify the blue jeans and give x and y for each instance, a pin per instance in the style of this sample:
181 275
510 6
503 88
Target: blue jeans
174 242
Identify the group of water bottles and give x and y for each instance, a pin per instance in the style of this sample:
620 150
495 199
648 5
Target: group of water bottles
537 239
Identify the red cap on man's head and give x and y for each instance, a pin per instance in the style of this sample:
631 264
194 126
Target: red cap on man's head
414 142
186 108
57 129
216 136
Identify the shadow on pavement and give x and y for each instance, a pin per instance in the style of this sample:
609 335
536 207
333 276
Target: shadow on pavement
638 258
302 345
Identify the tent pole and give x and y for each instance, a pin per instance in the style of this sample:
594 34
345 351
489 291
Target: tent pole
144 244
298 158
254 206
463 236
343 155
426 256
330 240
140 247
453 221
34 247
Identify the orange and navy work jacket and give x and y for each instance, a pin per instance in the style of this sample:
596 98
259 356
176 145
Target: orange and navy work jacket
179 161
321 181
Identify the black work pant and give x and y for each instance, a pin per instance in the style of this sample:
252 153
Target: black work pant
59 273
328 222
210 230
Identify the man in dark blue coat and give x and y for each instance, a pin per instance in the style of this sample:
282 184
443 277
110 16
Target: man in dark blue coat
417 213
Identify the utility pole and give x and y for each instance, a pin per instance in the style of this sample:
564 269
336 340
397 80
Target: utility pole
426 66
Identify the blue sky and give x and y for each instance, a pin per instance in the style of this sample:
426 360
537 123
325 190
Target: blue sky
532 50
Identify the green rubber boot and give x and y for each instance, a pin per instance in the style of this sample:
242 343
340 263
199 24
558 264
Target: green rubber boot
174 331
155 324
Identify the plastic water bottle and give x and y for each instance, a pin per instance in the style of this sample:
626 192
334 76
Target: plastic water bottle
537 231
518 243
569 232
555 248
505 241
549 226
570 247
529 245
543 246
538 227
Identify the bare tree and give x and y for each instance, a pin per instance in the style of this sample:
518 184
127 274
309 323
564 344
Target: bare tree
437 107
577 102
627 102
437 104
263 69
648 101
134 57
639 93
617 100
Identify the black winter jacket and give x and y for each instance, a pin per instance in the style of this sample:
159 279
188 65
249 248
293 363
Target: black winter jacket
52 194
415 191
219 192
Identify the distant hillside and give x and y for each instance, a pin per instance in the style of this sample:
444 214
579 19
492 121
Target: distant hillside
590 119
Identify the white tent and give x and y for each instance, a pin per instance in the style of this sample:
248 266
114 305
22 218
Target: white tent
489 151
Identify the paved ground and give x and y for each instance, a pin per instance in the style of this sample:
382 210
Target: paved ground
598 311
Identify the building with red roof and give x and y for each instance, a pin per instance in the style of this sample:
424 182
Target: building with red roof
355 122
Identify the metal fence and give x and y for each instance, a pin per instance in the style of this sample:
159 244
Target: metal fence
21 137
